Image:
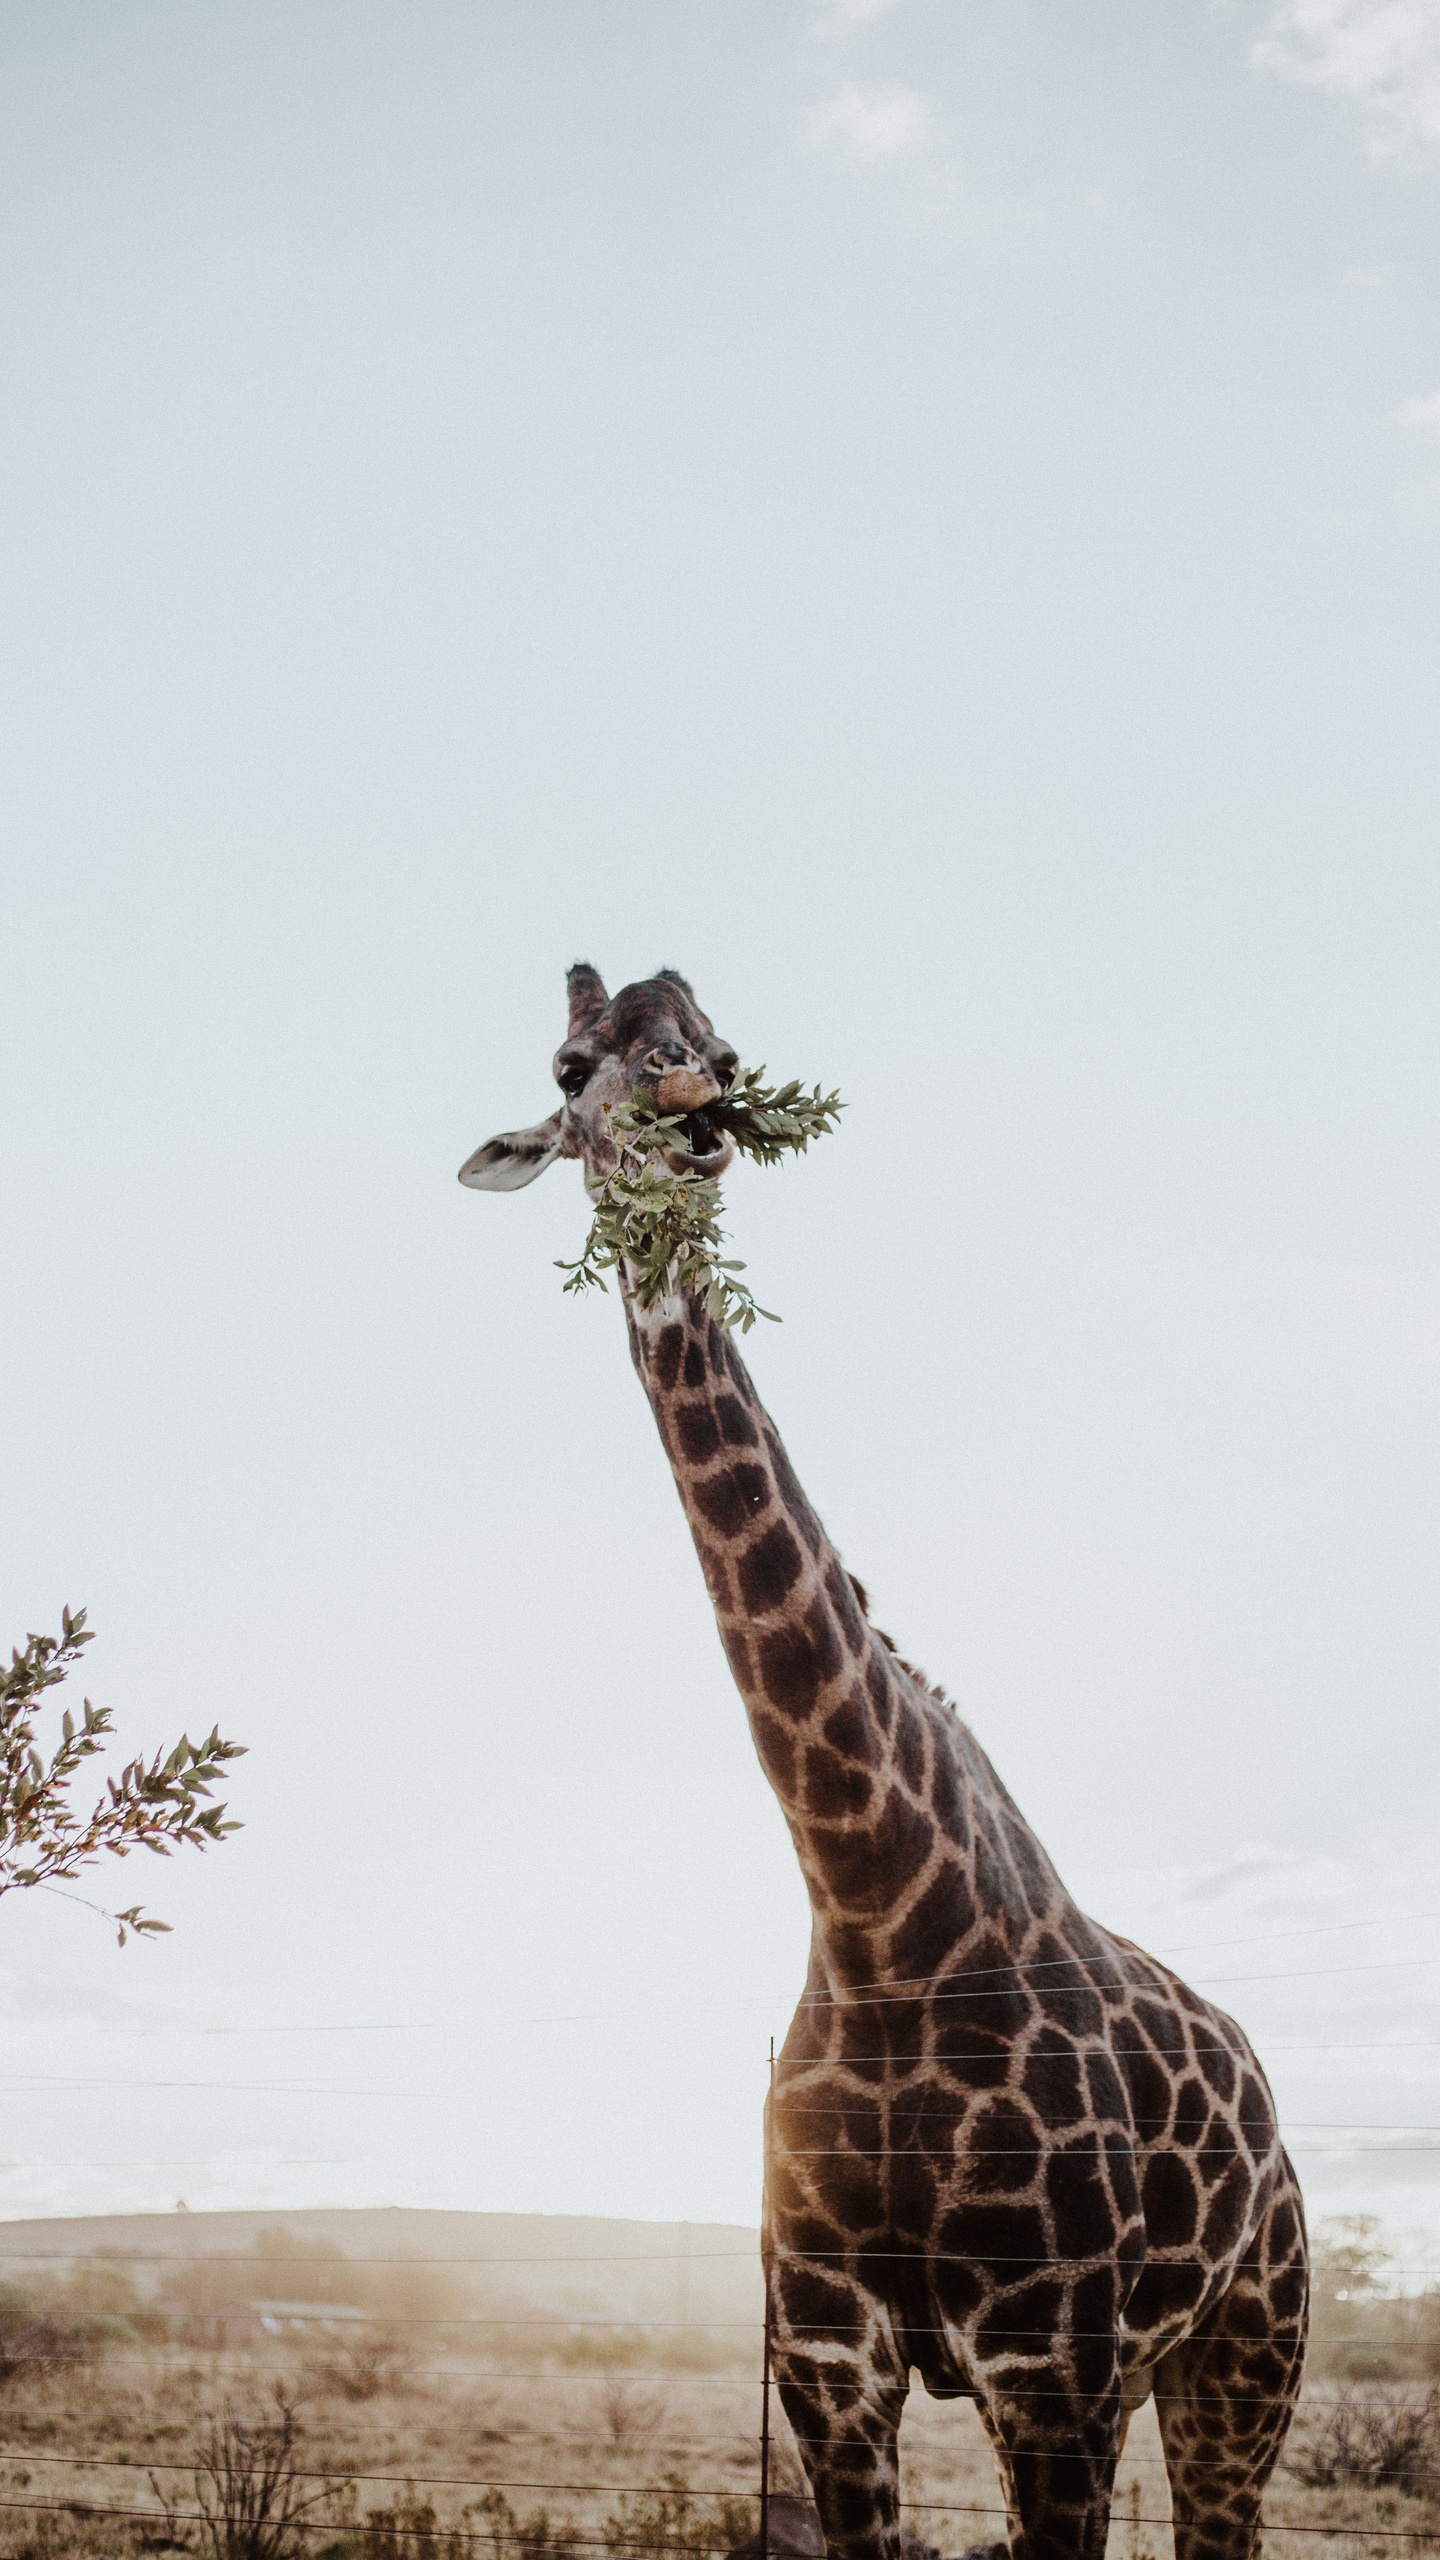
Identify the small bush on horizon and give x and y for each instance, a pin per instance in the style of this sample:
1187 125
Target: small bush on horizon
1363 2326
1376 2439
367 2366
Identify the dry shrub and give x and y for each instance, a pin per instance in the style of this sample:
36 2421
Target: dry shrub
34 2337
367 2366
68 2533
1373 2439
408 2529
538 2536
31 2346
663 2518
253 2495
666 2518
630 2416
411 2529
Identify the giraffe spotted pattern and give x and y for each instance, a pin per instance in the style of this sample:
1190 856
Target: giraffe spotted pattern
1006 2149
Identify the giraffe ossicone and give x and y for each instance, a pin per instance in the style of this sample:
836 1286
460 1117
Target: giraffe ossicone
1006 2148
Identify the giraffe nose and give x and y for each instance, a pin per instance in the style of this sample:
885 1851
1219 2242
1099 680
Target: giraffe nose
686 1089
681 1083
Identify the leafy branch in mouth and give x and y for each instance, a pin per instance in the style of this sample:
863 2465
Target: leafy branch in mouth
665 1224
768 1122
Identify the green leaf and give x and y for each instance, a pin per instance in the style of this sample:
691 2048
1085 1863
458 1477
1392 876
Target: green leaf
663 1221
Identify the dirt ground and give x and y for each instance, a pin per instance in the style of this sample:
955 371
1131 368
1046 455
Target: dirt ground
568 2451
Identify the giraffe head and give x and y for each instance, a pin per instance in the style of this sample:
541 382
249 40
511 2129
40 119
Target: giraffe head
651 1039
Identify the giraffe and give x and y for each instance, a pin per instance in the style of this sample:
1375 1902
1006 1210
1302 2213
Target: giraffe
1005 2149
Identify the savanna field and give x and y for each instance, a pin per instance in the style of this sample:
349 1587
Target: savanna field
253 2391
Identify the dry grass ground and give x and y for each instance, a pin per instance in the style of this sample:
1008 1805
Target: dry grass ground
555 2455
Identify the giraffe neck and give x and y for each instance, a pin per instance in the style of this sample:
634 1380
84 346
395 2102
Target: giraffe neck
891 1804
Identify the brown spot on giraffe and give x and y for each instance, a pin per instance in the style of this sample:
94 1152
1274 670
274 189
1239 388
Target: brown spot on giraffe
1006 2147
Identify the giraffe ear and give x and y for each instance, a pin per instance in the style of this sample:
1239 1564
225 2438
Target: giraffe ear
585 993
508 1162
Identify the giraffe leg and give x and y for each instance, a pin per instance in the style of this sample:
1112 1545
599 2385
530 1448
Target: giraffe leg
1057 2472
1001 2550
846 2420
1225 2396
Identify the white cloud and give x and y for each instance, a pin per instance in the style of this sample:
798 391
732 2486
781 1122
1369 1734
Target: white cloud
868 125
1247 1866
1384 55
1420 416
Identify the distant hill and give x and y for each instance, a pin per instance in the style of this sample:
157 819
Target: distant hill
561 2266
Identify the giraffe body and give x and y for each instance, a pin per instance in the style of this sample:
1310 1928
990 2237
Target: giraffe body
1006 2148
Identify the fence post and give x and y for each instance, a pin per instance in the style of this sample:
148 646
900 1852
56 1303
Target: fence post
765 2381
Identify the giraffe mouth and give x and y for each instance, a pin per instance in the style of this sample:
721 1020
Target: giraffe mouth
706 1149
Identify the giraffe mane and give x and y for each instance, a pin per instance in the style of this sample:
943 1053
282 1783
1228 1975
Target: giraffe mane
921 1679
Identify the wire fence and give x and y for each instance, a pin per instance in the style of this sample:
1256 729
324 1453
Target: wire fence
414 2478
1396 2139
642 2542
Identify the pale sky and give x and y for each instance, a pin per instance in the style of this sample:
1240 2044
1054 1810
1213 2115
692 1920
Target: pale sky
927 518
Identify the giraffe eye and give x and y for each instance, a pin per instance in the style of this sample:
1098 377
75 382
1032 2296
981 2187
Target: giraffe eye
573 1077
